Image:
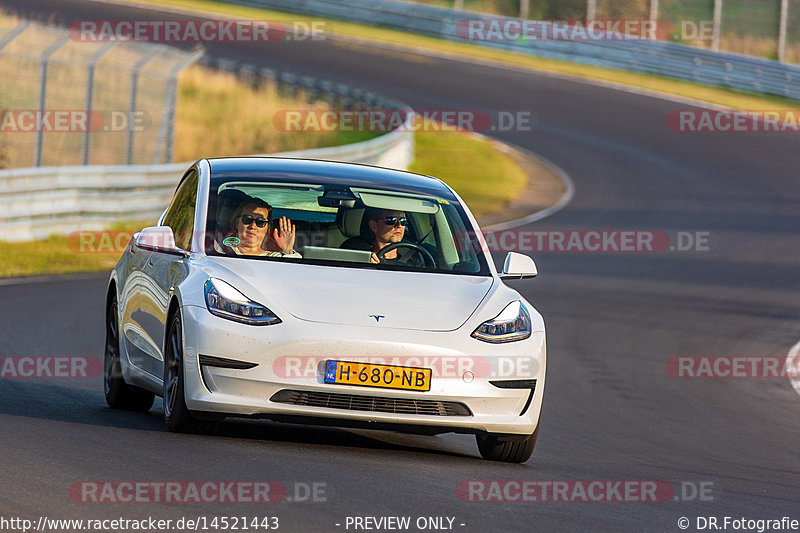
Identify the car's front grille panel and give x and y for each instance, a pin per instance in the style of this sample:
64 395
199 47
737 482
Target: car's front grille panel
352 402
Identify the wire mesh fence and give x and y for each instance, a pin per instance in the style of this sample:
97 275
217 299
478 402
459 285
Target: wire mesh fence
70 102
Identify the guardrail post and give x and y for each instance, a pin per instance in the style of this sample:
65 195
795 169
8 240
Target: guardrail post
591 9
95 57
653 10
717 25
524 8
167 129
44 62
782 31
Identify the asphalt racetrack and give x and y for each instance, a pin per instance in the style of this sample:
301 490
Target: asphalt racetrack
612 411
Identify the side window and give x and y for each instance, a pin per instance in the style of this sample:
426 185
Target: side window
180 216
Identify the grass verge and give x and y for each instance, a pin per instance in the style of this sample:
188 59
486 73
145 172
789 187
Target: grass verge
59 254
219 116
484 176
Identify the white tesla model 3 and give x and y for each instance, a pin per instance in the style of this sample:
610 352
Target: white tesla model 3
325 293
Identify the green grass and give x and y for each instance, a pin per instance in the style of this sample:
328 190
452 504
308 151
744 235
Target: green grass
486 178
63 254
220 116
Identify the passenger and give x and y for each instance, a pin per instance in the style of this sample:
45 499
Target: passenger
251 222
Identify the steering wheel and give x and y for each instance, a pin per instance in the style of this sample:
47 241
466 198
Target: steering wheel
427 258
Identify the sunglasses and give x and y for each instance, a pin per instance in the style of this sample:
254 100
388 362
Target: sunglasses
391 221
249 219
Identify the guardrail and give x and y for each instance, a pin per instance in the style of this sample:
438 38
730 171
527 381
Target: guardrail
651 57
38 202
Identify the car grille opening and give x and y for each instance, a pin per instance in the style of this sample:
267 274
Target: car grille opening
352 402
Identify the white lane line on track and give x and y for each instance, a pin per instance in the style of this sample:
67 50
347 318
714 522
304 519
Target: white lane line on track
793 360
569 192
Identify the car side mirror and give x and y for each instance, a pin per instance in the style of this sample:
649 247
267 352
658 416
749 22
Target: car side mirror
158 239
518 266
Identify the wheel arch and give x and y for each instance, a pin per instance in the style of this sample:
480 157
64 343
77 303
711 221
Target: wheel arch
173 309
111 291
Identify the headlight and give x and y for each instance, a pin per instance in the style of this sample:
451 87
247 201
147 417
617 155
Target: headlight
224 301
512 324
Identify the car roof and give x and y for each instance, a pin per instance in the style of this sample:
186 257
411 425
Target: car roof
281 169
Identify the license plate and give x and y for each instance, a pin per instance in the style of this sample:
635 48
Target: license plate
385 376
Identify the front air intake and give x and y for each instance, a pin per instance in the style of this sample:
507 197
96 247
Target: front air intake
378 404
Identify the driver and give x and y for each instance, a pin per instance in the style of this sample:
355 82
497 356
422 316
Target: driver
388 226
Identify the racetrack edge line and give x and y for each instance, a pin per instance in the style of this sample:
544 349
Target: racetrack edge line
569 192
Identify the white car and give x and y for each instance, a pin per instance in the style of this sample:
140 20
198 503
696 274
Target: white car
325 293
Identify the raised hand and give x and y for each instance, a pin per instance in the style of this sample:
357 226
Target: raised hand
284 235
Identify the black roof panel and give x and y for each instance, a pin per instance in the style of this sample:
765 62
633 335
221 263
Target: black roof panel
322 172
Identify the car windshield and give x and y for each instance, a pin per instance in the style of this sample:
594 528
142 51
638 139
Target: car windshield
339 225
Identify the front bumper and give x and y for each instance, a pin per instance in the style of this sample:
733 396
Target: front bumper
290 357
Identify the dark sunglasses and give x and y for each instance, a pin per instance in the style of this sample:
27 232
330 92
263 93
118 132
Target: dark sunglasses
391 221
249 219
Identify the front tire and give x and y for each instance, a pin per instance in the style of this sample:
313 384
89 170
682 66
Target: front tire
120 395
495 448
176 414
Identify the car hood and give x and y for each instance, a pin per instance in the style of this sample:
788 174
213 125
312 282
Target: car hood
359 296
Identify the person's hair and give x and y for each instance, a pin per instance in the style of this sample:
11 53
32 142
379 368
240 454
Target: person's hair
257 202
373 213
377 213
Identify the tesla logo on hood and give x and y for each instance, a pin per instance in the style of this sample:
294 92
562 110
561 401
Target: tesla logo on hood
377 317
